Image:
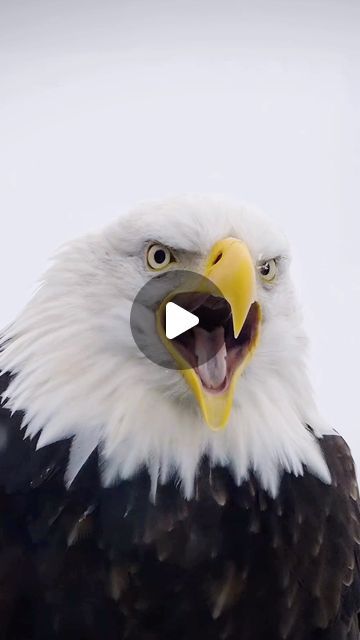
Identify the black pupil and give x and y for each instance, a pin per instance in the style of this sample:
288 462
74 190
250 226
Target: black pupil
265 269
159 256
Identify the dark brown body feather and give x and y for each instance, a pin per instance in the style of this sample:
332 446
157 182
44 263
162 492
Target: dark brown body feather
233 563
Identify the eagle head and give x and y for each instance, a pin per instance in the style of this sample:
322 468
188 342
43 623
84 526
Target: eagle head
78 373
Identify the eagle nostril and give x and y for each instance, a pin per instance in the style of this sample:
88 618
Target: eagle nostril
218 258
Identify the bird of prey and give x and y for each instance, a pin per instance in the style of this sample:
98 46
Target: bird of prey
145 502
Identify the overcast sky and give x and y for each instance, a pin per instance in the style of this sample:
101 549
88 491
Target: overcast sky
106 103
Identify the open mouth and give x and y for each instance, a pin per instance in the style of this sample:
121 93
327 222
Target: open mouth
210 348
213 354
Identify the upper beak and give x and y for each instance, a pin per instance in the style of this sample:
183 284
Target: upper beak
230 268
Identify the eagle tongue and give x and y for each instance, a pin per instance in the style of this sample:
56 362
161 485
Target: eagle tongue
210 349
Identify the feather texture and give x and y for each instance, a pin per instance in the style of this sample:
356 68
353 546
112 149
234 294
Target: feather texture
232 562
79 373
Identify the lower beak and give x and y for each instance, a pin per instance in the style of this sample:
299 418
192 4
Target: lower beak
230 268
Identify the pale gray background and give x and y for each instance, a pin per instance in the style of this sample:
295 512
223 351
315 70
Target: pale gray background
106 103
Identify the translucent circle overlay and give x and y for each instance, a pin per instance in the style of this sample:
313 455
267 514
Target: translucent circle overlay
192 292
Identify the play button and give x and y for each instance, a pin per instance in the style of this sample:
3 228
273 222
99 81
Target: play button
178 320
184 317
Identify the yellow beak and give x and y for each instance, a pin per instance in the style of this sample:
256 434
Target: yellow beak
230 268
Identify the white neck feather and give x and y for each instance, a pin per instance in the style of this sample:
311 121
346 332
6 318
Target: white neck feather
143 416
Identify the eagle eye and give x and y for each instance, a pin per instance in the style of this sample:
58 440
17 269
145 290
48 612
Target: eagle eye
268 270
158 257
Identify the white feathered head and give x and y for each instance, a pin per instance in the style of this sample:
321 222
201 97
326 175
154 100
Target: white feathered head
79 373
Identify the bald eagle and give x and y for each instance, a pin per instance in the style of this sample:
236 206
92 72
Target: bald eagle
143 502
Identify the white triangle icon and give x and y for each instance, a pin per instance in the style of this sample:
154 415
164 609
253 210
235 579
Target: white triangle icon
178 320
